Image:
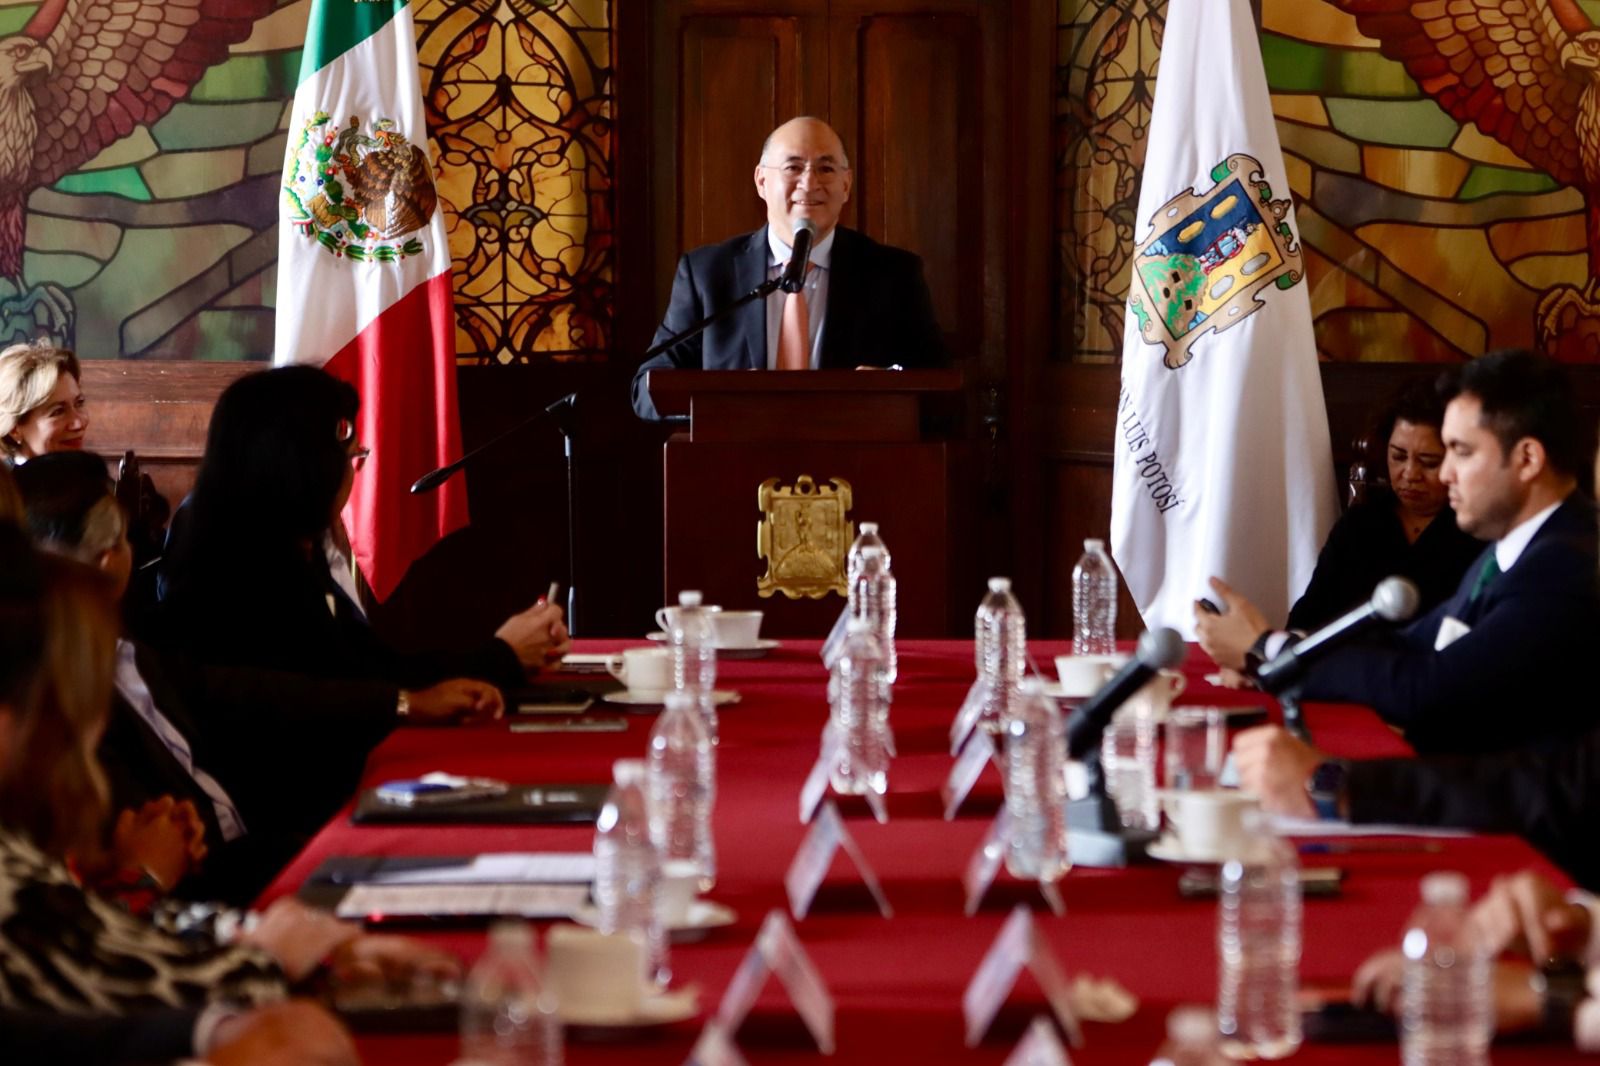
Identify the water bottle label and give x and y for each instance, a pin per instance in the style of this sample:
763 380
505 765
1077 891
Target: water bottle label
811 862
778 951
978 753
1020 944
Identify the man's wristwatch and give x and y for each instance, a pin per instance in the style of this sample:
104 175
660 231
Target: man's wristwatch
1326 788
1561 987
1255 657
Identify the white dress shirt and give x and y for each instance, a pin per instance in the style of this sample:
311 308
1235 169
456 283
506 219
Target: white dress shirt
131 684
816 290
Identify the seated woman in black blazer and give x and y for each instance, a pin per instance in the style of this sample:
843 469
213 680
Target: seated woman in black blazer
246 580
1404 526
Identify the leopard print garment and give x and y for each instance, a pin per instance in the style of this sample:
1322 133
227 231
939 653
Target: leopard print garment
63 949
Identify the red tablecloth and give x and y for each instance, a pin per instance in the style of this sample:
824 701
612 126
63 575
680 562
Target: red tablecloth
898 982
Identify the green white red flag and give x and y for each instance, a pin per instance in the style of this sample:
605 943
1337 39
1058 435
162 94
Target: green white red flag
364 273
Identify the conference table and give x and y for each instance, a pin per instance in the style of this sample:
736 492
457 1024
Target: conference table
897 983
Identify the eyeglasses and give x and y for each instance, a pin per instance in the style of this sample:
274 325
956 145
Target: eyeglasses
823 170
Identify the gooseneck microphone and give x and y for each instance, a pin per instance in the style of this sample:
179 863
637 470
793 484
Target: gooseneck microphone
1395 600
434 478
794 275
1159 649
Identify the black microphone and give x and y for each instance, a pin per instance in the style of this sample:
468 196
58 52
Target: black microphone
794 275
1158 650
1394 600
434 478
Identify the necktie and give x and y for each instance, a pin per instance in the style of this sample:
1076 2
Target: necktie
1486 576
794 333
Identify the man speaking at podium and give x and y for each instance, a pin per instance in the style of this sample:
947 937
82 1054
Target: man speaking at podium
862 303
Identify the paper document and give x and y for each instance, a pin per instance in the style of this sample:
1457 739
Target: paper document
526 901
506 868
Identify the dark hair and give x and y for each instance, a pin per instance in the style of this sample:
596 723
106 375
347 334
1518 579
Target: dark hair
1524 395
21 612
61 491
271 473
1417 402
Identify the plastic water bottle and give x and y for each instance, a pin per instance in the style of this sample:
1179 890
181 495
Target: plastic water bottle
507 1016
682 790
1001 646
627 870
860 714
867 537
874 599
1128 759
1094 602
694 655
1446 999
1036 786
1258 947
1191 1040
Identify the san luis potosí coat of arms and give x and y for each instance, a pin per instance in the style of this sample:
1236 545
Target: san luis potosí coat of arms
1209 256
360 194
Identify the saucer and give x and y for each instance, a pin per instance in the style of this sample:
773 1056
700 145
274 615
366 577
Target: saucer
704 915
742 651
719 697
1169 849
656 1009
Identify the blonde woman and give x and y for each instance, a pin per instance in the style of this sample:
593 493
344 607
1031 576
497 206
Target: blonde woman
42 407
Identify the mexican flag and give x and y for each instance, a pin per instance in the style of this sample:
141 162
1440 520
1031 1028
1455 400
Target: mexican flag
1222 465
364 273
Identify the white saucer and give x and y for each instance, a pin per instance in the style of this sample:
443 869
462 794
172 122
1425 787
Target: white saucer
704 915
719 697
1168 849
761 645
1055 691
659 1008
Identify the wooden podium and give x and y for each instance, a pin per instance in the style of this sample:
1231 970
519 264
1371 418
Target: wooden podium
802 445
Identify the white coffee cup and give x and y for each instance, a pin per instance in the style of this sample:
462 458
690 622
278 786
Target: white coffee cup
736 629
1082 675
602 975
666 616
1209 823
680 887
646 671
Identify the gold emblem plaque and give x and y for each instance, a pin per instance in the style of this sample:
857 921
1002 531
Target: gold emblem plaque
804 537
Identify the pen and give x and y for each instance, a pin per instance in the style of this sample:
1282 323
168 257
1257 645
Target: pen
551 594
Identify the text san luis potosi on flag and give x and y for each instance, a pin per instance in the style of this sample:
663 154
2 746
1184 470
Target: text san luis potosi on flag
364 273
1222 464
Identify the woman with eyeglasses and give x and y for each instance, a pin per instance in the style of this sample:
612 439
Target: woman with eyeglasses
247 580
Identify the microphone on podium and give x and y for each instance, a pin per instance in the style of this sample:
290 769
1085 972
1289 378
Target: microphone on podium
1395 600
1158 650
794 275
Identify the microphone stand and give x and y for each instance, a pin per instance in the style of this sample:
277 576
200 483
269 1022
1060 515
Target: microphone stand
760 292
561 412
1294 719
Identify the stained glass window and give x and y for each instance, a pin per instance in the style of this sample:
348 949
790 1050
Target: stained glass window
164 245
1426 239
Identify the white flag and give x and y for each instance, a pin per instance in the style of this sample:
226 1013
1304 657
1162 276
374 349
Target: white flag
1222 459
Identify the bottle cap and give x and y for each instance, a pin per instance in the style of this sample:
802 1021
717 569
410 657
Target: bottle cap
628 771
999 584
1094 544
1445 889
868 529
1192 1024
689 598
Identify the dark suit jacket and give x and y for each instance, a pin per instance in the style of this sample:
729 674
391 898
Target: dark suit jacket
144 1038
879 311
1519 677
289 750
1550 798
